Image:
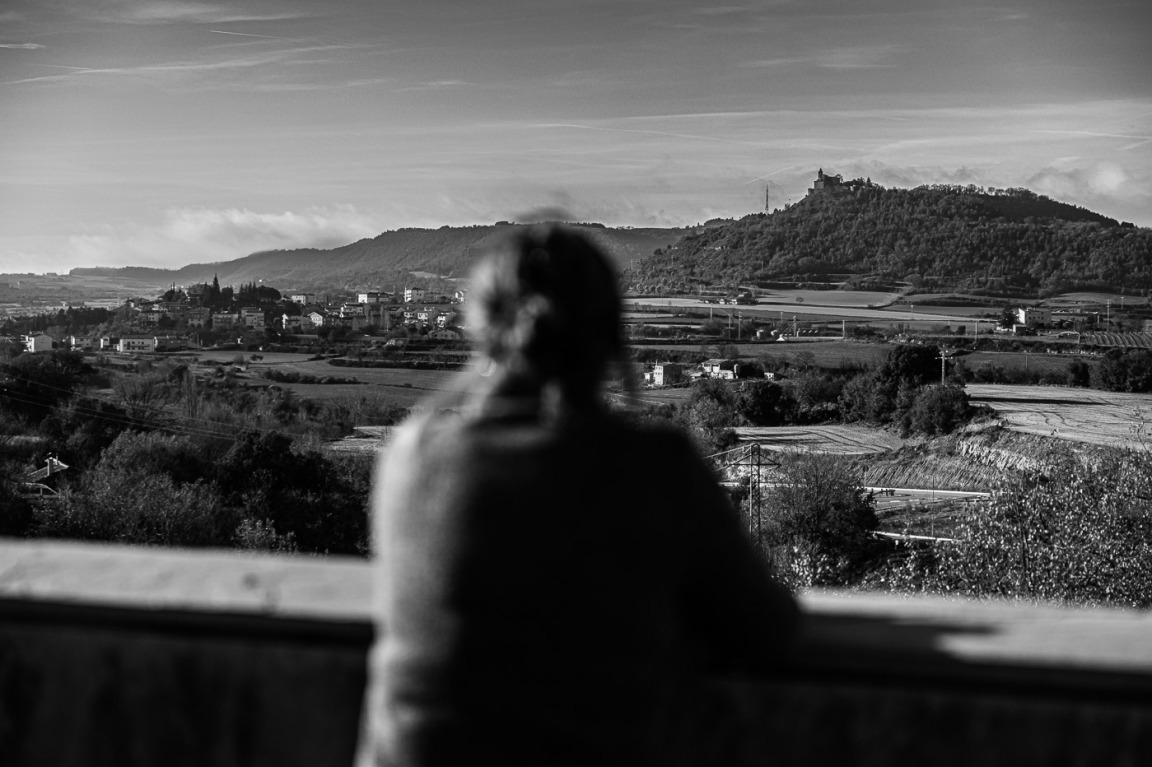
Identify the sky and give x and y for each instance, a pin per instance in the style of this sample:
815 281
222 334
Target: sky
162 133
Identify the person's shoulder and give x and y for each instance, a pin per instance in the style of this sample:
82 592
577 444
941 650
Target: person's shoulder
653 436
424 431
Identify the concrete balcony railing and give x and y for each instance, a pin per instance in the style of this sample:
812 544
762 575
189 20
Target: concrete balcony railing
125 656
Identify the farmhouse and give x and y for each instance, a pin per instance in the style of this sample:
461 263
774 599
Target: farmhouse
252 317
1034 316
223 320
37 342
197 317
667 373
725 370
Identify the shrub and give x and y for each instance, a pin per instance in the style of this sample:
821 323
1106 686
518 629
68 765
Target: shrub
937 410
1078 530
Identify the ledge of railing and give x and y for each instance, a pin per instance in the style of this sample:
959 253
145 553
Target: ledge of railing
113 655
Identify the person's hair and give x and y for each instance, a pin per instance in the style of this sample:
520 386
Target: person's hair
546 306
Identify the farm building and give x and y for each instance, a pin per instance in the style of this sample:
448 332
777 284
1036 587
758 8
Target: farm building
133 344
667 373
38 342
1034 316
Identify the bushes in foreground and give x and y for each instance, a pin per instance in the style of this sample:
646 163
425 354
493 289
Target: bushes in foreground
1077 530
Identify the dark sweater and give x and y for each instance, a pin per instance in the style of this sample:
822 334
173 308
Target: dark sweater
547 591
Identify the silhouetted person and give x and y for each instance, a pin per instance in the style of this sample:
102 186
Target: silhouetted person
550 576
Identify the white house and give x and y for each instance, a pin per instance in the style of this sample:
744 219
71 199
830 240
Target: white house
1034 316
725 370
303 298
413 295
667 373
136 344
37 342
371 297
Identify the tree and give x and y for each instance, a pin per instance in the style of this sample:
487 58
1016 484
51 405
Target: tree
937 410
709 414
32 384
761 402
819 517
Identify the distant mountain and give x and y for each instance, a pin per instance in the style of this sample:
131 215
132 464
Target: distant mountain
406 257
933 237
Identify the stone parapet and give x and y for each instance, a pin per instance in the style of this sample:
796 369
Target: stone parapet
114 655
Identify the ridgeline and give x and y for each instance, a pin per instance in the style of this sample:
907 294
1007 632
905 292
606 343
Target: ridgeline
405 257
944 238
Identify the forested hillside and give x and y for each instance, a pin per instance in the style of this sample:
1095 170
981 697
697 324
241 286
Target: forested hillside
388 260
944 237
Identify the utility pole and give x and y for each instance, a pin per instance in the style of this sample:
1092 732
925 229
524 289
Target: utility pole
942 359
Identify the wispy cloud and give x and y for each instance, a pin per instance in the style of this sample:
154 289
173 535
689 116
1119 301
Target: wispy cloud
865 57
172 11
1137 141
248 34
651 132
282 57
22 46
190 235
436 85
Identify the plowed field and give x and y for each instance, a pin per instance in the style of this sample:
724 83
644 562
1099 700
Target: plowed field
1080 415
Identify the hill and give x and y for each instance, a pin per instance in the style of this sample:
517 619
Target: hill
1009 241
413 257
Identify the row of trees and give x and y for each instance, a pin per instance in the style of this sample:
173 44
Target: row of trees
901 392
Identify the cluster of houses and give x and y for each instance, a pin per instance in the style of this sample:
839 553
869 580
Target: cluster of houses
437 317
673 373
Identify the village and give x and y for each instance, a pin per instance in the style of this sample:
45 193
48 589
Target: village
206 316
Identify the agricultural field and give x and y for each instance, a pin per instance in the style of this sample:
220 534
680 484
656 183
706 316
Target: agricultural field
1077 415
402 387
839 439
822 353
1039 361
808 311
1120 340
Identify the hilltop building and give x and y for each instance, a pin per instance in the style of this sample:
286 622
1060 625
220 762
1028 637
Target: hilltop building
825 184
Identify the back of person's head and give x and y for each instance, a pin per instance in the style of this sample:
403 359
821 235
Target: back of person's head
545 307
